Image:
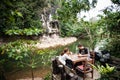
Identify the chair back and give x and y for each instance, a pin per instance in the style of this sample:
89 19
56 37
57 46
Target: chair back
55 66
86 66
69 63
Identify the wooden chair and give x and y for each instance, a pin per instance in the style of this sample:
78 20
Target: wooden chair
57 69
68 72
86 67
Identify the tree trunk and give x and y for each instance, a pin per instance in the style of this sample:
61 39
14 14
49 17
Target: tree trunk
32 74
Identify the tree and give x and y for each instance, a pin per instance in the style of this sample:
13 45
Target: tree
111 23
67 13
17 15
22 53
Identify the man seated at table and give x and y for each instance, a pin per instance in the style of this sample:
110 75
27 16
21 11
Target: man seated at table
82 50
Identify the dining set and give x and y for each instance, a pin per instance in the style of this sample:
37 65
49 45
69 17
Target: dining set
82 65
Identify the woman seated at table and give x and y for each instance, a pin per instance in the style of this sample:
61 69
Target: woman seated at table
65 58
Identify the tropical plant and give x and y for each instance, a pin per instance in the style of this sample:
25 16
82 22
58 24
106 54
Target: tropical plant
105 72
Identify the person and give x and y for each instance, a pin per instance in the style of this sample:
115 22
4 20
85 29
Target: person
64 56
82 49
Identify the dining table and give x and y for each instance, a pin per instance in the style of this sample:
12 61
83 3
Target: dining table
79 58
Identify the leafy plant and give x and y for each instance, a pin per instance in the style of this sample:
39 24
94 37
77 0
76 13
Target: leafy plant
67 15
110 23
23 14
23 53
26 31
47 77
105 72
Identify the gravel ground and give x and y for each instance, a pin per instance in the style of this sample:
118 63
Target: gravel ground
47 42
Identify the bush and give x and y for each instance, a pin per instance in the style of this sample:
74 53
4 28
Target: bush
105 72
26 31
22 51
47 77
114 47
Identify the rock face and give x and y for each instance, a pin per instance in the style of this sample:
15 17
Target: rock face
54 41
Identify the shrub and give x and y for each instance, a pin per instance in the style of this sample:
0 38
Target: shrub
26 31
105 72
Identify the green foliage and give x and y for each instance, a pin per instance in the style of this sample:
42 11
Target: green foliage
114 47
20 14
67 15
70 29
26 31
46 56
25 54
105 72
47 77
113 22
92 31
69 9
16 50
110 23
17 54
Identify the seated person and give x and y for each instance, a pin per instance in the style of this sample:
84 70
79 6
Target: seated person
82 49
65 59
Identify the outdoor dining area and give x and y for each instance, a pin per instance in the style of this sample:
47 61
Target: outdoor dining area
76 67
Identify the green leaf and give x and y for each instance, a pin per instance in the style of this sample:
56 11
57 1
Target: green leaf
33 66
19 14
